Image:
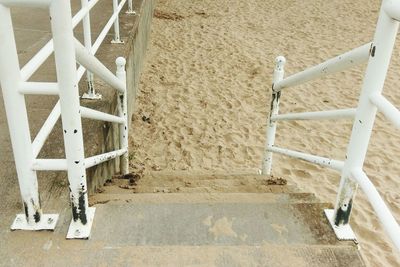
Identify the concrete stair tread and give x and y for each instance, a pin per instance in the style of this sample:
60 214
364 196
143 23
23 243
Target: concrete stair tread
201 229
98 254
115 198
221 230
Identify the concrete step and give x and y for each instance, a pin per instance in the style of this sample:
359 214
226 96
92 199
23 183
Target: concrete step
140 198
98 254
226 229
266 255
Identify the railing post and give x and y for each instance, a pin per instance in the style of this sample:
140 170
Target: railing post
279 71
17 118
130 8
117 38
378 63
123 113
64 52
87 37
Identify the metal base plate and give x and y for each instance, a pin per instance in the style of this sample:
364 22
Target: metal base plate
343 232
91 96
117 41
132 12
77 230
47 222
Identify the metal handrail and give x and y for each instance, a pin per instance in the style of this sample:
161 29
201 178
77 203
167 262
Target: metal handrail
342 62
322 161
87 60
317 115
68 52
371 99
378 204
40 57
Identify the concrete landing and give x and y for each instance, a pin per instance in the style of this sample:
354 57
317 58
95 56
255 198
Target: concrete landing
229 229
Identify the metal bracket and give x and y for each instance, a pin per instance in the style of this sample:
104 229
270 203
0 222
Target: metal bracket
91 93
95 96
117 41
77 230
131 12
343 232
47 222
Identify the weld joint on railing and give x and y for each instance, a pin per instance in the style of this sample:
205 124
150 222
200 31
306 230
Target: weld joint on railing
386 107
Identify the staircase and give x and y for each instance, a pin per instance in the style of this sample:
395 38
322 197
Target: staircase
181 219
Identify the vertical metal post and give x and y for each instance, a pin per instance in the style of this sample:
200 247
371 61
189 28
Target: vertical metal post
117 38
130 8
380 54
87 38
17 118
64 52
279 71
123 113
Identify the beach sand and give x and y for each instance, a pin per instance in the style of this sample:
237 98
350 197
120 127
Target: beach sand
206 89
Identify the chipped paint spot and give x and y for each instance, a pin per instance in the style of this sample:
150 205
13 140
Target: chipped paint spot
36 216
79 212
26 210
343 213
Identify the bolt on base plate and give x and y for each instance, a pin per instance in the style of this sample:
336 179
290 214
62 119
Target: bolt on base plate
91 96
77 230
343 232
117 41
47 222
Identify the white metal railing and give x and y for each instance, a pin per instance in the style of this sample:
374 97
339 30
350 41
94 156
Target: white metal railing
378 54
14 82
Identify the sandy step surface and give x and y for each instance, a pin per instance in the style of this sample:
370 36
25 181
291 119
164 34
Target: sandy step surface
184 182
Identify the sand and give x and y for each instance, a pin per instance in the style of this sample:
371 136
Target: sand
206 88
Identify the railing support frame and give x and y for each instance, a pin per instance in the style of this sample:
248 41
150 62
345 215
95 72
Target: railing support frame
117 37
64 52
378 64
87 37
123 113
14 102
130 10
279 72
